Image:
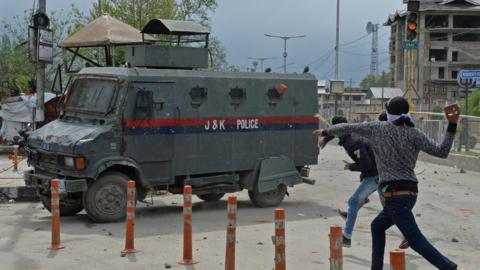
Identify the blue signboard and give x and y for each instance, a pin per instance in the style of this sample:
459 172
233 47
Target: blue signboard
469 78
469 74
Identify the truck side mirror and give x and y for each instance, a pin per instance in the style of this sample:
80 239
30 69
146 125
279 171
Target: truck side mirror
143 105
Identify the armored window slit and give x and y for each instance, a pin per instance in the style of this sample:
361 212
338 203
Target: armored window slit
198 96
237 95
274 96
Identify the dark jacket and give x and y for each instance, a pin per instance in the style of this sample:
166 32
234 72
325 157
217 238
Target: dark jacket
360 151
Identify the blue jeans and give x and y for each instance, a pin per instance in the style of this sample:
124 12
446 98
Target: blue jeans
398 211
365 189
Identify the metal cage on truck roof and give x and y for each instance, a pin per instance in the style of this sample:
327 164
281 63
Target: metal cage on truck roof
185 31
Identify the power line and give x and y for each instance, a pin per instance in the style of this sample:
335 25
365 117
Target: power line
362 54
323 62
321 58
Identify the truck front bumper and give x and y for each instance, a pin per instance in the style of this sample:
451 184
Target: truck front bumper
42 183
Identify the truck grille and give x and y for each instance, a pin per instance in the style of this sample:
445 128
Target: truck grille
49 160
46 160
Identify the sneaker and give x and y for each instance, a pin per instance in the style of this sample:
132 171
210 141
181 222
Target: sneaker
343 214
404 244
346 242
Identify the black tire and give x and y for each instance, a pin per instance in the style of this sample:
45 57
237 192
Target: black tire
212 197
69 207
268 199
106 198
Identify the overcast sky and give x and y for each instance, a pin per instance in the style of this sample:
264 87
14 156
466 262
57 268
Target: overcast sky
241 24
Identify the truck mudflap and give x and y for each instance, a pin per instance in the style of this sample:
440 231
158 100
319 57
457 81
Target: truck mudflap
42 183
275 171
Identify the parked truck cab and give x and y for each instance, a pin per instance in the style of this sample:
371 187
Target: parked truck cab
165 124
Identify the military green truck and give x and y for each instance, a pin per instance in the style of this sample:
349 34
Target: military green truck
164 122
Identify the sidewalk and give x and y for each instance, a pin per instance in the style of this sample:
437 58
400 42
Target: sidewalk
12 185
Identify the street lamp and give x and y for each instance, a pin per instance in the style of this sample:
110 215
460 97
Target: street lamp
285 39
261 59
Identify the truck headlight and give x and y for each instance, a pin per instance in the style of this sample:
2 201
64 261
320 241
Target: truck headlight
69 162
78 163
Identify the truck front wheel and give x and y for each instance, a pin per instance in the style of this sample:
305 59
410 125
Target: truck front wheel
106 198
269 198
68 207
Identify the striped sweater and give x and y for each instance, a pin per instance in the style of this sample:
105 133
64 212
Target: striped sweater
396 148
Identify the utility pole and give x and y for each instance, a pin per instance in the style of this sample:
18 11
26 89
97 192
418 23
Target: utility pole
373 29
40 74
350 101
337 51
285 39
100 7
261 59
337 41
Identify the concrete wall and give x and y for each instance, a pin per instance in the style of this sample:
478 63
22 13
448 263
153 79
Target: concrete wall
469 163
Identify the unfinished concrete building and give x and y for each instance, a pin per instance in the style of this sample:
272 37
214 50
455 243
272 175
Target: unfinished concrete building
449 41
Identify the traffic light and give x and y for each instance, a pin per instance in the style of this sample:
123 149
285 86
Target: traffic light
412 26
413 6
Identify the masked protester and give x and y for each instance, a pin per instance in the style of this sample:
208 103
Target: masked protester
397 145
361 153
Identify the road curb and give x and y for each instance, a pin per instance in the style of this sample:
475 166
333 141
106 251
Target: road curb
20 193
465 162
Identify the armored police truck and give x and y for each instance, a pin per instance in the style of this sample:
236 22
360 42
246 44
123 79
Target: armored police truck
164 123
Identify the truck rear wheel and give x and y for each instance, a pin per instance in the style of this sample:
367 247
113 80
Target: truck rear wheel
68 207
106 198
269 198
212 197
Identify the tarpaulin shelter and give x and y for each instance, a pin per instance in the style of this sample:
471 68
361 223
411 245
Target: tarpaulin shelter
17 112
104 32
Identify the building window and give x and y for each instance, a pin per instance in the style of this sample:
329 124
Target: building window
466 21
466 37
438 55
357 98
436 21
438 36
454 74
441 73
454 56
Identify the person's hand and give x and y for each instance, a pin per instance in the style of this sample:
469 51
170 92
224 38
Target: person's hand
318 132
347 165
452 113
321 142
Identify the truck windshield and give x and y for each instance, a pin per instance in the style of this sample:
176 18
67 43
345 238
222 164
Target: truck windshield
91 95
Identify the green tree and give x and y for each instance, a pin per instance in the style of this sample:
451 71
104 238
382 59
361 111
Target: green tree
16 69
14 73
473 104
376 81
138 12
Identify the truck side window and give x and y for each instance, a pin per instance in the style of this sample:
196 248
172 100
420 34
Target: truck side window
198 95
237 95
143 105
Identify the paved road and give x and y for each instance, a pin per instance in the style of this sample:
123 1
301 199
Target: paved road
447 208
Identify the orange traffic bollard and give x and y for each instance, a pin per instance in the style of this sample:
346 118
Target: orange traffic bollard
397 259
55 209
336 246
187 227
15 158
130 228
231 231
279 239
